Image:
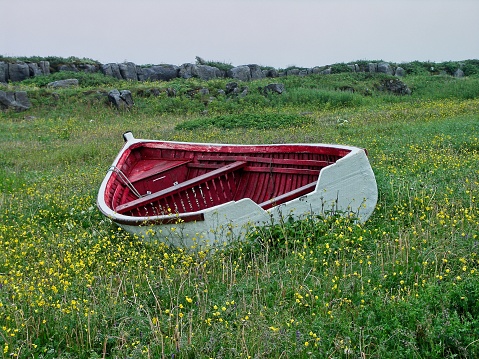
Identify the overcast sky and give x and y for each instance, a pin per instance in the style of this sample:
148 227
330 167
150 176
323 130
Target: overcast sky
278 33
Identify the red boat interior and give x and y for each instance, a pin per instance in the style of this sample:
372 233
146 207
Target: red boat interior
149 180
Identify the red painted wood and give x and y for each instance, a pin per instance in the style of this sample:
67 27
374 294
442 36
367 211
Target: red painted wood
174 190
288 196
272 161
152 167
285 170
271 171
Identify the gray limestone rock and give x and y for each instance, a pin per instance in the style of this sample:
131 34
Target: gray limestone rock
159 73
256 72
385 68
18 71
128 71
204 72
111 69
372 67
35 70
68 67
17 101
459 73
88 68
207 73
400 72
276 88
3 72
122 100
63 83
241 73
394 86
45 67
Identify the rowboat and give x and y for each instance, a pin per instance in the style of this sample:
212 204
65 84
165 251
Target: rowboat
196 194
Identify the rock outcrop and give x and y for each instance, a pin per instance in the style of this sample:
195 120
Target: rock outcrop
128 71
3 72
158 73
19 71
111 69
204 72
272 88
122 100
63 83
17 101
394 86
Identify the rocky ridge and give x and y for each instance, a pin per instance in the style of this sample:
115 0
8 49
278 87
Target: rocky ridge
19 71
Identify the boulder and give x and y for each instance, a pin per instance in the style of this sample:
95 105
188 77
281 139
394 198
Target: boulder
187 71
372 67
241 73
230 87
256 72
68 67
207 73
270 73
292 72
385 68
394 86
17 101
400 72
34 69
459 73
244 91
171 92
45 67
276 88
63 83
159 73
3 72
128 71
354 67
122 100
88 68
200 61
203 72
18 71
111 69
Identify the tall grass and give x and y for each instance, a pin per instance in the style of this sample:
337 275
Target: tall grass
402 285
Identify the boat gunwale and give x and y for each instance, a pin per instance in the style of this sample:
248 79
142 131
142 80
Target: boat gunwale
134 143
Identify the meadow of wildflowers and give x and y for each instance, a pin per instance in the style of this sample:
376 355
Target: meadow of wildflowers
403 285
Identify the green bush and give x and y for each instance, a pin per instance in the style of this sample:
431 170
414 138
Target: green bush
246 120
84 79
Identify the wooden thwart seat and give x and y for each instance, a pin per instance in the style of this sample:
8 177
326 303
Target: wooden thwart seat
266 160
151 198
159 167
288 196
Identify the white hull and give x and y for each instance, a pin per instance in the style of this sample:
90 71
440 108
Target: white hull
347 187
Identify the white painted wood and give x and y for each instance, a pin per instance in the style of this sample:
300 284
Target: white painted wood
347 187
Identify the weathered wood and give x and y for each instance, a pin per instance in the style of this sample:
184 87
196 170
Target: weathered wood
143 201
288 196
211 193
155 167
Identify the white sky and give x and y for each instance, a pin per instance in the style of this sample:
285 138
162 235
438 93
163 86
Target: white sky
278 33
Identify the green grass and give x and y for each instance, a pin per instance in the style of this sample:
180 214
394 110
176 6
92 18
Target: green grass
402 285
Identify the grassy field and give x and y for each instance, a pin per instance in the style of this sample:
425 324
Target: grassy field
403 285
